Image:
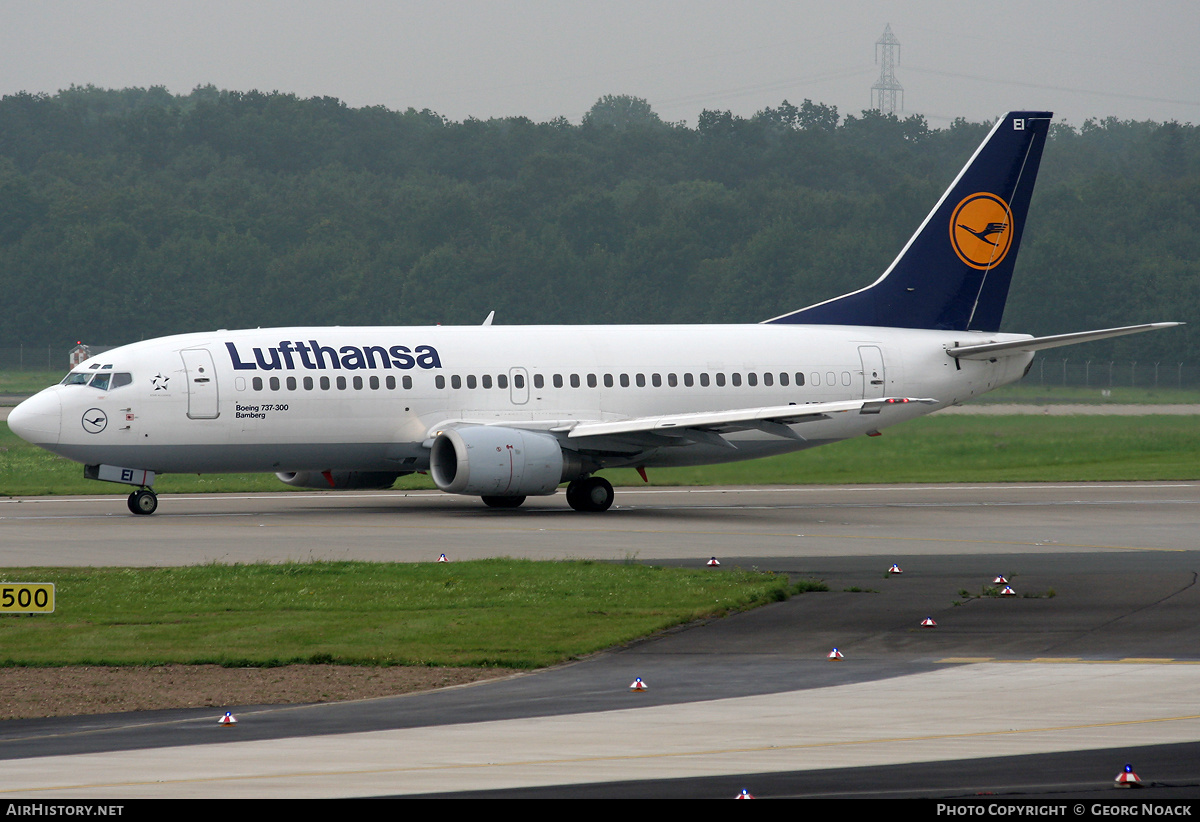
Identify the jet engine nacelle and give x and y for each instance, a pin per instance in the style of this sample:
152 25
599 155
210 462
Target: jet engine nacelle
340 479
492 461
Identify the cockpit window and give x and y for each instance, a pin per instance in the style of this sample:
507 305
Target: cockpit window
104 381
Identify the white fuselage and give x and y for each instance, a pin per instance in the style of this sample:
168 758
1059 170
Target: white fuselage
369 399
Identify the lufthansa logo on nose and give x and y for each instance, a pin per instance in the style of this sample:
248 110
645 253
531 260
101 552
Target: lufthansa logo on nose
94 420
981 230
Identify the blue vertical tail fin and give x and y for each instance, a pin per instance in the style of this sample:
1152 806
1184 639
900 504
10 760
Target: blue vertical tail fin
955 271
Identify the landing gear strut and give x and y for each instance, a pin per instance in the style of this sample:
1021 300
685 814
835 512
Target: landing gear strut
590 494
143 501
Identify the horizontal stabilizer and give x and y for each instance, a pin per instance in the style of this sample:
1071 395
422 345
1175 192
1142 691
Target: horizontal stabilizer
988 351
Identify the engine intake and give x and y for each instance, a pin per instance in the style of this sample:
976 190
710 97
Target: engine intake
492 461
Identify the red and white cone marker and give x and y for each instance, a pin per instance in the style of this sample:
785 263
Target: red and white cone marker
1127 778
1000 580
745 794
835 654
712 563
895 569
442 558
637 684
228 719
1008 591
928 622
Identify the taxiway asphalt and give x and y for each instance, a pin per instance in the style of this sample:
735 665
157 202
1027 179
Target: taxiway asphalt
1095 662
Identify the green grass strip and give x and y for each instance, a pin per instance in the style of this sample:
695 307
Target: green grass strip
498 612
1019 448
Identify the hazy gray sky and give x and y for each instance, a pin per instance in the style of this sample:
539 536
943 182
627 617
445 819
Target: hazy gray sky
547 58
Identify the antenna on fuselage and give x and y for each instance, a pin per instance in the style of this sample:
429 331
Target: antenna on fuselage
490 315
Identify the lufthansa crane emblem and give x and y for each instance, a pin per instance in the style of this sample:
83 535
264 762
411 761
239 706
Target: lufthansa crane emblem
94 420
981 230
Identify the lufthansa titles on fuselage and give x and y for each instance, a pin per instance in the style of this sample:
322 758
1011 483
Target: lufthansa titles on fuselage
289 355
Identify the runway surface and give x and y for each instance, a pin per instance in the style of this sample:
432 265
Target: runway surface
1095 662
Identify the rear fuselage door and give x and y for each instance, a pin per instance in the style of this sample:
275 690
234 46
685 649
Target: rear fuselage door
873 376
202 384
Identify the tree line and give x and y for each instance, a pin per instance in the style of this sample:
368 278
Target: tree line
133 213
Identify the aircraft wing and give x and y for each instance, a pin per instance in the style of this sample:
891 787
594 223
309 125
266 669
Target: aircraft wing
708 426
988 351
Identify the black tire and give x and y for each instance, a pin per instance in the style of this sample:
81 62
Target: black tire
592 495
503 502
143 502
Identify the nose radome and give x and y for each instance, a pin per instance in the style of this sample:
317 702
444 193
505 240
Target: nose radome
39 419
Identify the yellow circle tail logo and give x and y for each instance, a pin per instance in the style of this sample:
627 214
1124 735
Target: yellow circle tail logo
981 230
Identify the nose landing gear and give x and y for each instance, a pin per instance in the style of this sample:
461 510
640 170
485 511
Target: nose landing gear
143 502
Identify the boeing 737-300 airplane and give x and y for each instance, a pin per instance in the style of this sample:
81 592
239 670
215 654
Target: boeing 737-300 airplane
507 412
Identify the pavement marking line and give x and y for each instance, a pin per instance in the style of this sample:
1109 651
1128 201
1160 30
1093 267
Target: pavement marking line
444 767
431 494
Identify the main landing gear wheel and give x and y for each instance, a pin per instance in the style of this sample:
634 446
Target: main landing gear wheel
503 502
143 501
590 494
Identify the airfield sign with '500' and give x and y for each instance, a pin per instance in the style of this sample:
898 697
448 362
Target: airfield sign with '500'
26 597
